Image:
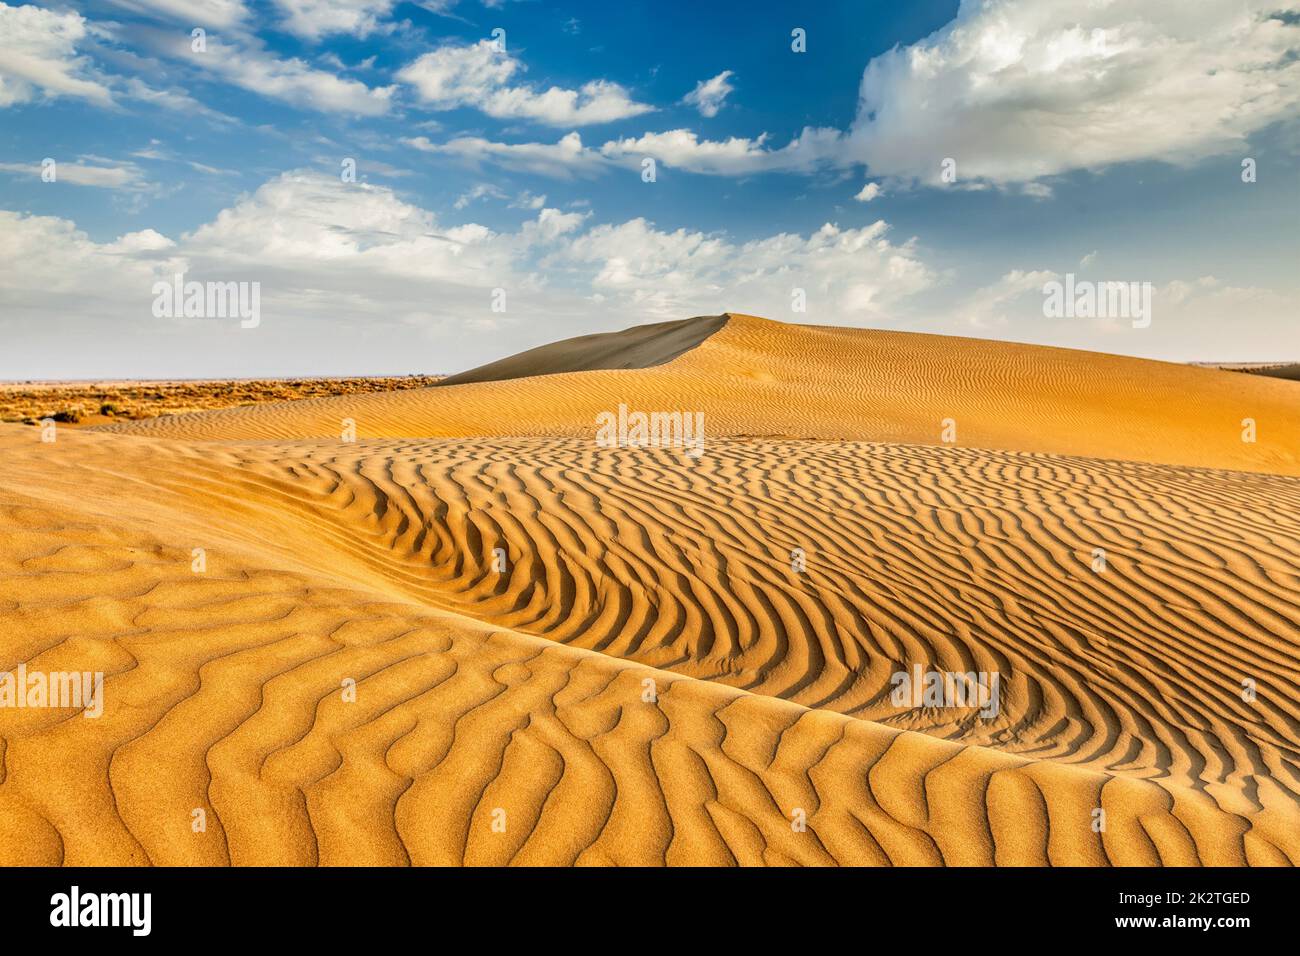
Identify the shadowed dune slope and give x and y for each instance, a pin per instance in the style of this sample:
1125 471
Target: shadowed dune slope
641 674
758 378
640 347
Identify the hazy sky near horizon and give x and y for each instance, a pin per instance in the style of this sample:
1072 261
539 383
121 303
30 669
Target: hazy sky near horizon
500 197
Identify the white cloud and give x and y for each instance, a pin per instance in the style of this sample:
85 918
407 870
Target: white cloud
337 263
480 77
313 222
242 60
561 160
171 99
209 14
709 95
314 19
476 192
1014 90
38 56
114 176
848 274
551 224
355 279
58 283
528 200
678 149
736 156
868 192
355 264
245 63
303 235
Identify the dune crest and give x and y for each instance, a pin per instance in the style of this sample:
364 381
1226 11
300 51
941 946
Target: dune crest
640 347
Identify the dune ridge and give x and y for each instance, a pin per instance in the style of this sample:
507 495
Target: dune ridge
640 347
758 378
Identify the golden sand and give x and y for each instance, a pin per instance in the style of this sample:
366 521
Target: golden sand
643 674
758 378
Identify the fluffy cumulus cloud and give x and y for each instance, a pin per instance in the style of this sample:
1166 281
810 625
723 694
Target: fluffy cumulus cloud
708 95
355 278
483 78
357 264
853 275
1013 90
52 263
39 57
351 277
314 230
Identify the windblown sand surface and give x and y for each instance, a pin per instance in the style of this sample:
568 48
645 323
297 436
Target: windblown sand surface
649 680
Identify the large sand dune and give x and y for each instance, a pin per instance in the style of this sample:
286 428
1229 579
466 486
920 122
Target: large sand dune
758 378
644 673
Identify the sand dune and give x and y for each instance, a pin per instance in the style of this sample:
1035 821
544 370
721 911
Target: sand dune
642 674
755 377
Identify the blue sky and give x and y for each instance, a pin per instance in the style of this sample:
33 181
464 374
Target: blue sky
1100 139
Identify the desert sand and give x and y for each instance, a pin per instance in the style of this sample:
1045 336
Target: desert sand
475 636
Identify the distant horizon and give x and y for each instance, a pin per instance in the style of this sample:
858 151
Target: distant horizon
106 379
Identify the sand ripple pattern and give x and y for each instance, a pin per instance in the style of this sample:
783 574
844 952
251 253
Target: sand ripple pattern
519 696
